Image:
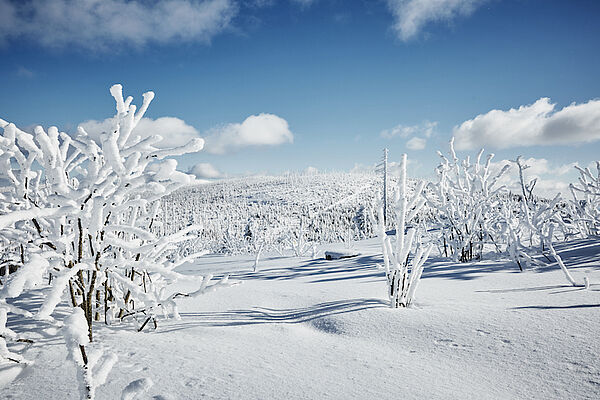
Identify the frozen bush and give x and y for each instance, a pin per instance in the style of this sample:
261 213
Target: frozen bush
403 266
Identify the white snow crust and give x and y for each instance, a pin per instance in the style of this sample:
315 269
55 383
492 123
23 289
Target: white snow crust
317 329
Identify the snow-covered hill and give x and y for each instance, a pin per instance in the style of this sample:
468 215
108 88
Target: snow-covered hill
325 208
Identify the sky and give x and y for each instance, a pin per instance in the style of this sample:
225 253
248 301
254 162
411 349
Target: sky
286 85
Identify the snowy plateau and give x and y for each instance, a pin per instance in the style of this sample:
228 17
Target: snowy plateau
123 278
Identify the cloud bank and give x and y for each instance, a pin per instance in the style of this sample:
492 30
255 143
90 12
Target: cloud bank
256 130
537 124
411 16
100 24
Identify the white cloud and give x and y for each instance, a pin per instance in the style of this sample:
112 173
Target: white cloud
550 187
256 130
174 131
541 166
416 144
425 129
8 20
536 124
102 24
412 15
205 171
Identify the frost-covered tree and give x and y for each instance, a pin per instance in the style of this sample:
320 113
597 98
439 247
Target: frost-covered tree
403 266
297 240
526 187
260 237
88 208
527 219
467 198
586 200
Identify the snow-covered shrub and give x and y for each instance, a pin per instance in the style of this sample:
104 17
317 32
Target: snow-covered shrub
259 237
297 240
525 220
468 201
403 267
586 201
88 210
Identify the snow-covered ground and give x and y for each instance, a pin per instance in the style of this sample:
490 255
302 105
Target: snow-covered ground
317 329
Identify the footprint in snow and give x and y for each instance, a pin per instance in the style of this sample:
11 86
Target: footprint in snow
482 332
451 343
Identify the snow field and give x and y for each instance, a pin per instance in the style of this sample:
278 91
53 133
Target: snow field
304 329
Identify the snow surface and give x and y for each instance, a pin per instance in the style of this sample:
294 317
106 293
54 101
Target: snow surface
316 329
136 388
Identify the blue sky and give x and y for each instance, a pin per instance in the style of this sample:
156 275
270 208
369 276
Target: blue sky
348 77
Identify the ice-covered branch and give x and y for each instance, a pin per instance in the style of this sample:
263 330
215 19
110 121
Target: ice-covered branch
403 272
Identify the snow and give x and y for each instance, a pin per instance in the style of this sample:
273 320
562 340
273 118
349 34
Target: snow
75 330
9 371
54 295
309 328
28 276
136 388
4 331
9 219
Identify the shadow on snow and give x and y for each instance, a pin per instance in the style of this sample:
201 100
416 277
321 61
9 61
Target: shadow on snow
263 315
360 267
556 307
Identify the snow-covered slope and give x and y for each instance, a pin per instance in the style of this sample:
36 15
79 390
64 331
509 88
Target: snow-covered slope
328 207
317 329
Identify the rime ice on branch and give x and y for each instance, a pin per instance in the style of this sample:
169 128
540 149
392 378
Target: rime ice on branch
86 211
466 197
586 200
403 268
